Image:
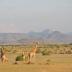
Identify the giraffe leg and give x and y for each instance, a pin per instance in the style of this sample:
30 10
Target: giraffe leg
29 58
4 59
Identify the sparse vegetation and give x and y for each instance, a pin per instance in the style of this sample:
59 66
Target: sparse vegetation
47 55
19 58
45 49
46 52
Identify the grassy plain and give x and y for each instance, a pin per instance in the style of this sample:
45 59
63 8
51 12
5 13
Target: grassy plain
55 62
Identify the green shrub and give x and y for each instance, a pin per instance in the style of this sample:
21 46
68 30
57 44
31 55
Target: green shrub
46 52
19 58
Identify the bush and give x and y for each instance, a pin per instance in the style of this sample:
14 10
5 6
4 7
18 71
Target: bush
38 50
19 58
61 52
68 52
46 52
14 51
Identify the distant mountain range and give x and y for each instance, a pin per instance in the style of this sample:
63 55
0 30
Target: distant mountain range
45 36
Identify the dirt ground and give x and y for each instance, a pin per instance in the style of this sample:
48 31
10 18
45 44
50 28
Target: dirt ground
36 68
58 63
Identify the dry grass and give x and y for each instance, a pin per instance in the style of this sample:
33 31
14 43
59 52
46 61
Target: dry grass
46 63
58 63
36 68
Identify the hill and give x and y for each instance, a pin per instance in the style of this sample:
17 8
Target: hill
45 36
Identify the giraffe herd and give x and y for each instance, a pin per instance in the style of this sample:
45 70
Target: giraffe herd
30 54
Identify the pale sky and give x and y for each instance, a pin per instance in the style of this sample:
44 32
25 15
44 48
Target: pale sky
35 15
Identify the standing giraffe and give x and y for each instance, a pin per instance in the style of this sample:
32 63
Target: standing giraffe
32 53
3 57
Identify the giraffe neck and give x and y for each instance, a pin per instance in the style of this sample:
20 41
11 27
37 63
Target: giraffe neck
34 49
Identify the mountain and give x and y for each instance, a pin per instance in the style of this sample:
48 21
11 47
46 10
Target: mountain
70 33
46 36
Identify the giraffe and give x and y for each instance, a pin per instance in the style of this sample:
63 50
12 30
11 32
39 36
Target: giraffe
3 57
32 53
